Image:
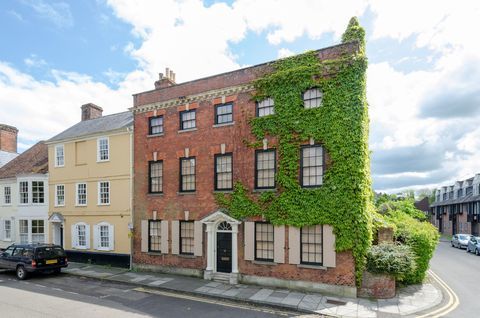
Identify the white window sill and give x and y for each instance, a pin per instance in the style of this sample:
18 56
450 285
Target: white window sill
312 266
155 194
80 205
101 161
103 204
80 248
224 124
104 249
264 190
186 130
60 166
156 135
264 263
59 205
155 253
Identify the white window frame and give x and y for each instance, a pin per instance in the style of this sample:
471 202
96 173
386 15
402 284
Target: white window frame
75 237
77 203
99 140
5 195
98 238
317 99
5 237
56 195
38 193
44 234
57 164
20 193
20 233
99 193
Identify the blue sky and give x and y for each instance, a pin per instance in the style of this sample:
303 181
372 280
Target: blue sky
422 79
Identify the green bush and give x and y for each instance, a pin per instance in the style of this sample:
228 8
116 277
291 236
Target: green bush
393 259
422 237
406 206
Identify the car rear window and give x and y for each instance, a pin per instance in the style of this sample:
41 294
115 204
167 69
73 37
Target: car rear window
50 252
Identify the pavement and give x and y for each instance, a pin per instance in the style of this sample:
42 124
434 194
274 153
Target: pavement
410 301
460 271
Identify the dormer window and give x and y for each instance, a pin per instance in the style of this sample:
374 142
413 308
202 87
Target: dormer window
312 98
460 193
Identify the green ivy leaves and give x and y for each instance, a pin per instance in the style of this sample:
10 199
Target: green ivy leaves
340 125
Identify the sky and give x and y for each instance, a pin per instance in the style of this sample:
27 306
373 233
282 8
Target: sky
422 82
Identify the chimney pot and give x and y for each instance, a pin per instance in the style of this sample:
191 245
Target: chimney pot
160 76
91 111
165 80
8 138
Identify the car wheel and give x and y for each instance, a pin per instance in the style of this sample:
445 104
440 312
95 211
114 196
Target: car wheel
477 252
21 273
57 270
453 245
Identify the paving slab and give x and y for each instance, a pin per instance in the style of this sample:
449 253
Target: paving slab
408 300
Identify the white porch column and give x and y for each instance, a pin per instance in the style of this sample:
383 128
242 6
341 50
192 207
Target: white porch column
234 248
210 248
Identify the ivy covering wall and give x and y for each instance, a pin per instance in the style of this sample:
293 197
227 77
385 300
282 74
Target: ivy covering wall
340 125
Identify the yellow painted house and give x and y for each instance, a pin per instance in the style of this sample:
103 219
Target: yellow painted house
90 182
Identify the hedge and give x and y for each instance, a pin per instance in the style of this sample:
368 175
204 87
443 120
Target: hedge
422 237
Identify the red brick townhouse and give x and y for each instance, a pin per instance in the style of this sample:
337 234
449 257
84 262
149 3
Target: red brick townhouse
457 207
189 145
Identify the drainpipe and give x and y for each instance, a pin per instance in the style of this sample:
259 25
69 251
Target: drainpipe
130 130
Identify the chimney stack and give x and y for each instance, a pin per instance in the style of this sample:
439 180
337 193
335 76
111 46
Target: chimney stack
8 138
165 80
91 111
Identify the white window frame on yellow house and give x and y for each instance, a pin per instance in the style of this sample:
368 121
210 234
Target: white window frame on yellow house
75 237
57 162
77 203
97 236
99 149
99 192
56 195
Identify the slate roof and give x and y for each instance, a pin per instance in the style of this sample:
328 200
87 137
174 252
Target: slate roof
6 156
465 199
33 160
97 125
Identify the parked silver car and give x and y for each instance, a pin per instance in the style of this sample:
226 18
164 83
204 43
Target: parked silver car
460 240
474 245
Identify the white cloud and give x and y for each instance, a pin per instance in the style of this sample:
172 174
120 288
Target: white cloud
284 53
34 61
56 12
41 109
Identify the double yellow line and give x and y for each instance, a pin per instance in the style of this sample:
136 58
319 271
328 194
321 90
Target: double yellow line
452 303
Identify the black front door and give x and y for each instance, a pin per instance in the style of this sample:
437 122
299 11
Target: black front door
224 252
61 236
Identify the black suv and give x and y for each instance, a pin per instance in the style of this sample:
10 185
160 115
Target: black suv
30 258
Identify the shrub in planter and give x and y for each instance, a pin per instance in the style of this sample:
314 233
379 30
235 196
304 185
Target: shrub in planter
393 259
421 237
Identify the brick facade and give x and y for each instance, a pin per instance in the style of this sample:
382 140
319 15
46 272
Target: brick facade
204 143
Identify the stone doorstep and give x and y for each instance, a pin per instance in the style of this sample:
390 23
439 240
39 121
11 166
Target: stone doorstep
280 298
